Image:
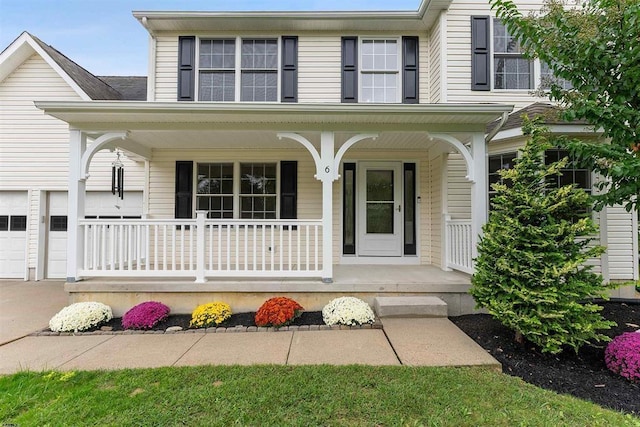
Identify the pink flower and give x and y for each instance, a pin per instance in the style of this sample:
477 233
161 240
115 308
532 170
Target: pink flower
622 356
145 315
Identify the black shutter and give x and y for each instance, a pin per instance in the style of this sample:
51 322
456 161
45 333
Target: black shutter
410 70
480 53
288 190
349 69
184 189
289 69
186 68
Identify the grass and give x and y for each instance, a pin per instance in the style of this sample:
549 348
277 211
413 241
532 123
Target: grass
286 395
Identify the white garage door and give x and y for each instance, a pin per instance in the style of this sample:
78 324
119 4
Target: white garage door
13 233
97 205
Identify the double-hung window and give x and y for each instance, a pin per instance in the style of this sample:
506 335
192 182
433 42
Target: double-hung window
217 80
237 190
215 189
511 70
380 70
239 69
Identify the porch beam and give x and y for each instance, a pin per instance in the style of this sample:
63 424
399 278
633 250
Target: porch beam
479 190
135 151
76 204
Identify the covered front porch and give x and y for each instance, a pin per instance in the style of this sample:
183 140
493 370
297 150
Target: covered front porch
196 245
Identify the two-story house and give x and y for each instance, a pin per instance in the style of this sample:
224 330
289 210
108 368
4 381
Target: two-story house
344 152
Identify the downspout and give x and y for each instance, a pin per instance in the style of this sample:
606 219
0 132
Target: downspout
495 130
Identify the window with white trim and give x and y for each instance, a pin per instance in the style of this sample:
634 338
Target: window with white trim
571 173
240 69
498 162
511 70
214 189
547 78
380 70
237 190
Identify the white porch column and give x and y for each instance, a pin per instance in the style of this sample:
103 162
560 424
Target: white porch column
76 198
479 190
326 175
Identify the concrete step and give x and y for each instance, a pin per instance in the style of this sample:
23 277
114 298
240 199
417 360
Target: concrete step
410 306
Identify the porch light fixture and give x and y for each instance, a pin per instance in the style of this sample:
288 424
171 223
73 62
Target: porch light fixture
117 176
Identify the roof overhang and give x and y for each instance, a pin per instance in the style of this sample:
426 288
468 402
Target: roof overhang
402 21
128 115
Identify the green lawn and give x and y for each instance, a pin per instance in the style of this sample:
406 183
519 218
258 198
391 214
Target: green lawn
285 395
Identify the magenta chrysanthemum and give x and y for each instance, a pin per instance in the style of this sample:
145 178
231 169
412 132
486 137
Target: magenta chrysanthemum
622 355
145 315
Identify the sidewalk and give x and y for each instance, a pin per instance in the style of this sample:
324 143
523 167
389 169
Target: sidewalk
414 342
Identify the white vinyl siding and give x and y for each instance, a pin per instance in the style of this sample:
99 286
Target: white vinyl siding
458 188
620 235
166 68
424 75
435 70
319 75
433 223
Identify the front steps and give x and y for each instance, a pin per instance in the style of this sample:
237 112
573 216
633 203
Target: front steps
410 306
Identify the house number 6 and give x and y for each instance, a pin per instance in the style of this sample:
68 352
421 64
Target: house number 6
326 170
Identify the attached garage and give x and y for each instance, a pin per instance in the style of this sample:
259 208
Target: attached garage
98 205
13 234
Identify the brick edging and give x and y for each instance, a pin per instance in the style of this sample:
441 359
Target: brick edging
235 329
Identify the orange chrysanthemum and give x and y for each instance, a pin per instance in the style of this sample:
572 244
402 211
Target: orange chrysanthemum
278 311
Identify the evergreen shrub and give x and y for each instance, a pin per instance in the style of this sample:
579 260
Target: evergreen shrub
530 273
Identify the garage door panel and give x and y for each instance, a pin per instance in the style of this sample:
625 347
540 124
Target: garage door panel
13 234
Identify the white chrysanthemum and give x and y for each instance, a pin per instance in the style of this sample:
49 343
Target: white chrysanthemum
80 317
348 311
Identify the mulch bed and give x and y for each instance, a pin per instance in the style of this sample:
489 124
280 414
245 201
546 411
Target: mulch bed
238 319
583 375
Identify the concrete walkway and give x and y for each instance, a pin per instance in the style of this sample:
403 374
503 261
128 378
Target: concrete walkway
415 342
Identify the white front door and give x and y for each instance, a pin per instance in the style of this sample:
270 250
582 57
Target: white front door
380 209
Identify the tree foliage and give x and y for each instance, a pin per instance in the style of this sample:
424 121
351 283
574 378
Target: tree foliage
530 271
595 45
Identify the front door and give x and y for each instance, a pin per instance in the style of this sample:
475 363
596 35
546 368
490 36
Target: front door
380 209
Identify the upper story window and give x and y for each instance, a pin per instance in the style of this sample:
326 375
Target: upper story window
547 77
238 69
380 69
380 72
511 70
498 61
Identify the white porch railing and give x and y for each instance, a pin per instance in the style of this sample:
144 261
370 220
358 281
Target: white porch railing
459 244
201 248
